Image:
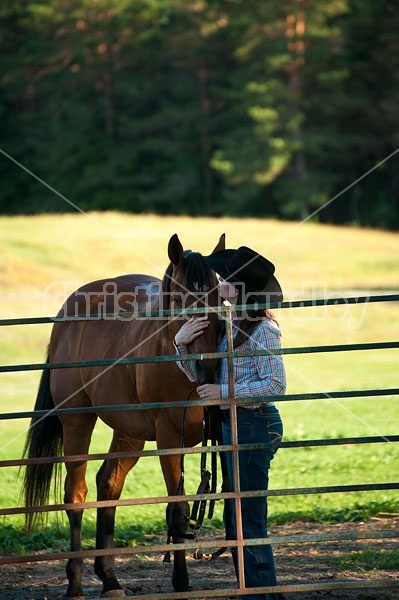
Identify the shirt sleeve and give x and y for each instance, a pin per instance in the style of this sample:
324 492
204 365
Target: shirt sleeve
185 366
269 378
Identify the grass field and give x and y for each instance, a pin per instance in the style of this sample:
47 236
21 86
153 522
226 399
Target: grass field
44 258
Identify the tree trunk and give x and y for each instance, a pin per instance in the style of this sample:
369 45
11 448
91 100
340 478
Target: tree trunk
206 141
295 30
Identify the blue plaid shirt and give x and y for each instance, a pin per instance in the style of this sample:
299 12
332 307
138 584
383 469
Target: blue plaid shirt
254 376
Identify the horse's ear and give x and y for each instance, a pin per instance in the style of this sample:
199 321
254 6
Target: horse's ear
175 250
221 245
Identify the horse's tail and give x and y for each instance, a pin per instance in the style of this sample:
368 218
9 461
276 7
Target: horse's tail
44 439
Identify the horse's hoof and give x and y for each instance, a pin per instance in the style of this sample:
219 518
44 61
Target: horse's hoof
113 594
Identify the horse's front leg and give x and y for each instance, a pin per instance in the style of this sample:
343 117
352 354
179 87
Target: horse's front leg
177 516
110 480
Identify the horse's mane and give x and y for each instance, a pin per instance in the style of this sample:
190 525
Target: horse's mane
199 275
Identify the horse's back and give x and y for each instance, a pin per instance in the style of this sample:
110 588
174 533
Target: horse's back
112 295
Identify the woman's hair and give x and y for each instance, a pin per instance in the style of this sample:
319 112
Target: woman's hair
249 320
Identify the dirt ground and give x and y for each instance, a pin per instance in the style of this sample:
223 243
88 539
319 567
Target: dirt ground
297 563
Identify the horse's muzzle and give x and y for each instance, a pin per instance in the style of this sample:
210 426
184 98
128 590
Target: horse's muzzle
207 371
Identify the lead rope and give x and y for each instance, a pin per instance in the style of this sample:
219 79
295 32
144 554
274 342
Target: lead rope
211 427
214 431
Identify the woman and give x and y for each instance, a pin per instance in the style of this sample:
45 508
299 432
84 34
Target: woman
247 278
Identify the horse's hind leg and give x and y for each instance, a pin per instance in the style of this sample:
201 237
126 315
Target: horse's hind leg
110 480
77 435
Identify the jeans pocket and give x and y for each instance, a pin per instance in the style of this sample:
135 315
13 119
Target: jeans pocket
275 433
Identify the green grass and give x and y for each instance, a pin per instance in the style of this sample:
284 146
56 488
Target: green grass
46 257
367 560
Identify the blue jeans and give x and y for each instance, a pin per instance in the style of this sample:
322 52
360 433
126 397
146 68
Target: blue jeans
262 425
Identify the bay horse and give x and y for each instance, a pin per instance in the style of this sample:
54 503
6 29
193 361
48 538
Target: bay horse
187 280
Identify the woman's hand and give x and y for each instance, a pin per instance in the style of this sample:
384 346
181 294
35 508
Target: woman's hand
209 391
190 330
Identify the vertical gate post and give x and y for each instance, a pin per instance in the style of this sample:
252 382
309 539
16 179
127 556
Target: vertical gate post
235 452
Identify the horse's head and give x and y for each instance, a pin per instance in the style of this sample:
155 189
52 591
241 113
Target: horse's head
189 282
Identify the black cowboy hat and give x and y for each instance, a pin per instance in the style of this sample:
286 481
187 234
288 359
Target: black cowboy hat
245 266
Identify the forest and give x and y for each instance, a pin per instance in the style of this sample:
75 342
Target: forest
269 108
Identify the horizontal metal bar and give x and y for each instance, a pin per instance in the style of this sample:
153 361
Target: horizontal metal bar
117 362
363 487
181 403
339 441
331 348
200 310
241 593
196 450
204 545
339 394
281 588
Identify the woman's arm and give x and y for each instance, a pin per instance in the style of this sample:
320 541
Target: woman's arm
190 330
185 366
270 378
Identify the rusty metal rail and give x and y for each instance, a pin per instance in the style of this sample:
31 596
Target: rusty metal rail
121 361
192 311
182 403
205 545
328 489
19 462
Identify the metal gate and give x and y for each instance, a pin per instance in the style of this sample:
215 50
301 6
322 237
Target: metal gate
237 495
